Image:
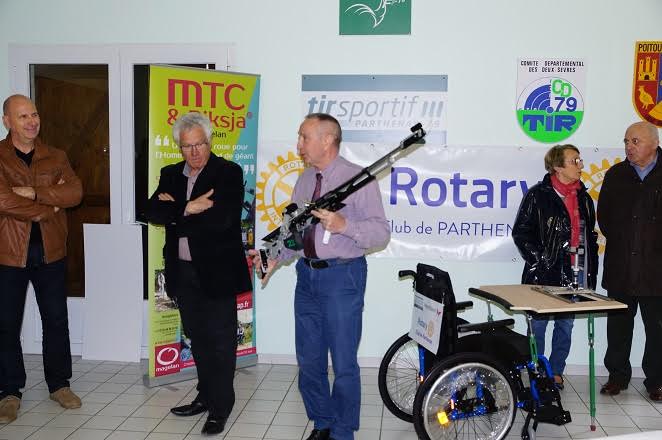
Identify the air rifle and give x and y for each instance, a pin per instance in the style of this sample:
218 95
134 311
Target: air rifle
296 219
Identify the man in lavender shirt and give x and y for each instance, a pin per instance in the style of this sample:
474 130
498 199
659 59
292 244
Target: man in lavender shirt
331 278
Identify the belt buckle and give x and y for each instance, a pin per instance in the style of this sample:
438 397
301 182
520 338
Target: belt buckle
317 264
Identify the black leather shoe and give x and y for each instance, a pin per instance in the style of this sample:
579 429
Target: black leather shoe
612 388
214 425
655 393
192 409
320 434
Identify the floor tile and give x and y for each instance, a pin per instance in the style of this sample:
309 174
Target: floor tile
88 408
33 419
367 434
127 435
284 432
290 419
48 407
157 412
248 430
16 432
620 431
641 410
98 397
89 434
138 424
647 422
164 436
175 426
51 433
398 435
104 422
68 421
262 405
258 417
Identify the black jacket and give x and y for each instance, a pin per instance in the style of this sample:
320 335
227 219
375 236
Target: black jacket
630 217
542 236
214 236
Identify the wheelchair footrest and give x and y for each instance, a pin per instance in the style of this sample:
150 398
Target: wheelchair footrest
553 414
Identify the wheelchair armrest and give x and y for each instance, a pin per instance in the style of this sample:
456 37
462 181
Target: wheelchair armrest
485 326
463 305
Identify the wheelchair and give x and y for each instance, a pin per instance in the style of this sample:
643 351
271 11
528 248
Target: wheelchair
473 386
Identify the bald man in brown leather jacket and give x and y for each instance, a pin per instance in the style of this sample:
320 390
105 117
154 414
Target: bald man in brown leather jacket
37 184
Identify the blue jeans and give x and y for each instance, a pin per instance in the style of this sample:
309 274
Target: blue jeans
48 281
561 339
328 311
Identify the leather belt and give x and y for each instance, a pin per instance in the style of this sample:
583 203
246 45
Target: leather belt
323 264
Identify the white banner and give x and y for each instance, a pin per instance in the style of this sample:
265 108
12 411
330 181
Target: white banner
453 203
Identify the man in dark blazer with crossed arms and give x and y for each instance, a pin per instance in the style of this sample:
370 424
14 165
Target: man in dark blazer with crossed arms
199 201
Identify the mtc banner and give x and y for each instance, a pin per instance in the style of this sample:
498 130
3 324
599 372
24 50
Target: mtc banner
454 203
230 101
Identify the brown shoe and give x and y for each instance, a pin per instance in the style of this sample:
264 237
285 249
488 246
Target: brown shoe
66 398
655 393
9 409
612 388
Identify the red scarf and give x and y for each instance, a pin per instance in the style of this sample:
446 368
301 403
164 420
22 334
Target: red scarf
569 193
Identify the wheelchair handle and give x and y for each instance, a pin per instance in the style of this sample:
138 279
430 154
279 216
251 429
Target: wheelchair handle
463 305
406 273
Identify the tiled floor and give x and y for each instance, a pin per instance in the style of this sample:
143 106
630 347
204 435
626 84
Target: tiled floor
117 406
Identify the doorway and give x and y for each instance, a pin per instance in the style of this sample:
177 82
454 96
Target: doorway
85 95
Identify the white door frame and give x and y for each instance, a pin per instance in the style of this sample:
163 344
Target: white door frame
120 60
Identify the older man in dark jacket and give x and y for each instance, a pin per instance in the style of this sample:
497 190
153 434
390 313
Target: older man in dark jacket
630 217
199 201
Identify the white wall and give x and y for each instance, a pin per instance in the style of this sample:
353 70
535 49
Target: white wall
475 42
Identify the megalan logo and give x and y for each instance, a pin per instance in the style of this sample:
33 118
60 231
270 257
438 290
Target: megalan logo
192 90
166 359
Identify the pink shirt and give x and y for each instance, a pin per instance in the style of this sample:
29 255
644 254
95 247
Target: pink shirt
367 227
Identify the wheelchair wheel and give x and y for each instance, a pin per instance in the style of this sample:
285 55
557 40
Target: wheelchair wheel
398 377
467 396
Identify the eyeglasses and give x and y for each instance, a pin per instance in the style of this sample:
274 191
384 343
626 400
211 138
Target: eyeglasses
196 146
576 161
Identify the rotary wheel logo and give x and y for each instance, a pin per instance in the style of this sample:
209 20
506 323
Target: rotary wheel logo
593 181
274 190
430 329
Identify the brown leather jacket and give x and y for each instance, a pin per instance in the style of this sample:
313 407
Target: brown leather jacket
49 166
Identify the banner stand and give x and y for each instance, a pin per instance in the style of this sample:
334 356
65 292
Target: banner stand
231 102
149 382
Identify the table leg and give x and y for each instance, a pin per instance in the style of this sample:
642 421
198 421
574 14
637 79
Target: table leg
591 369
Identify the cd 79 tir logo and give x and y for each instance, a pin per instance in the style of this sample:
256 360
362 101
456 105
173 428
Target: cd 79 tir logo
550 109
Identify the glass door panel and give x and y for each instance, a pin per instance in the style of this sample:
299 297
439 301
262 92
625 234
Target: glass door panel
72 100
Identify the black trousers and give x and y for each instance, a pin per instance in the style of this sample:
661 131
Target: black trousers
48 281
620 326
210 321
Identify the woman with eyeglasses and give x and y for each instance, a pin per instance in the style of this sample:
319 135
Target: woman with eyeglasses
555 225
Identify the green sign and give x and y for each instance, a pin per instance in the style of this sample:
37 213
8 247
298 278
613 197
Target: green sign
375 17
